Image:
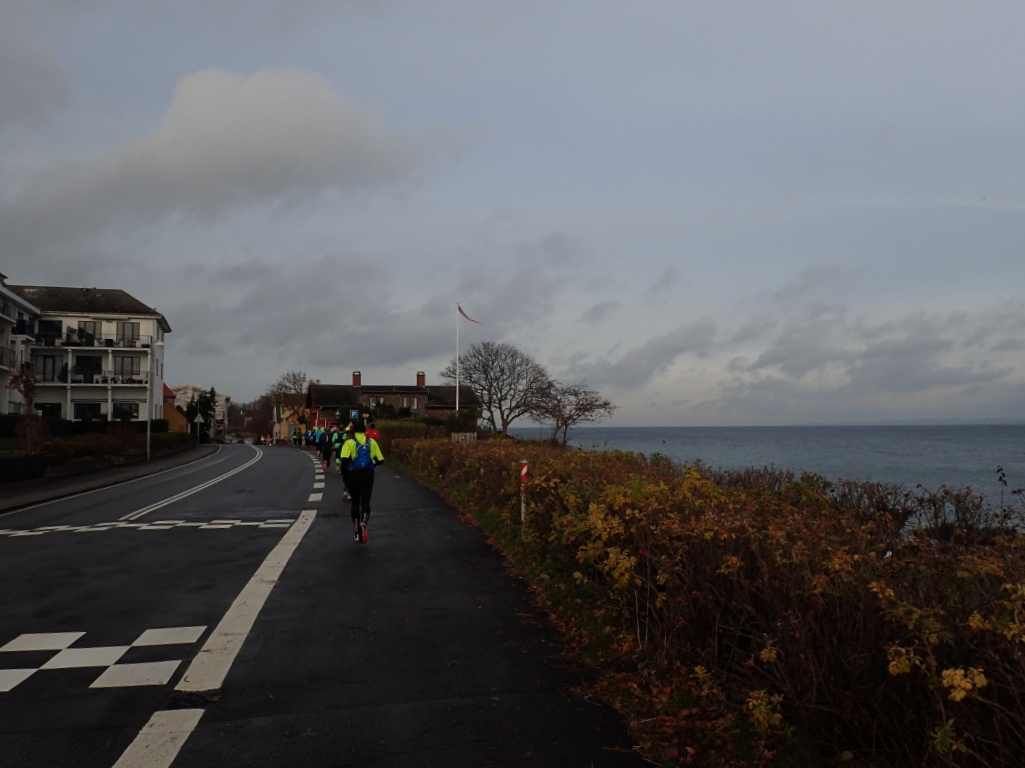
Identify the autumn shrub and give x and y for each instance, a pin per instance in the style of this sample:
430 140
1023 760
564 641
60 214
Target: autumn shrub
772 614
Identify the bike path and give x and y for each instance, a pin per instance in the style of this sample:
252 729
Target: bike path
418 648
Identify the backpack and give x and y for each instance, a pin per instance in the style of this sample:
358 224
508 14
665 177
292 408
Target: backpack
362 459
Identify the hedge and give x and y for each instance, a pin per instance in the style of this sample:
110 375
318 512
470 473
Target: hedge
17 467
766 618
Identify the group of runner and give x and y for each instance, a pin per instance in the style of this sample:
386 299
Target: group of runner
355 453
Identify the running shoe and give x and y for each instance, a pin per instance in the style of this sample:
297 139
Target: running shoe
363 534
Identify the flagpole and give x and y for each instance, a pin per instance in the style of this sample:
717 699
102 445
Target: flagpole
457 358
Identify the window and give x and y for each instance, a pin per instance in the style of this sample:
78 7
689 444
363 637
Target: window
126 366
50 367
49 409
127 334
88 331
49 331
87 369
409 402
87 411
125 411
375 401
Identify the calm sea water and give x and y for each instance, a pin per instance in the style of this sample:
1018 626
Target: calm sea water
962 456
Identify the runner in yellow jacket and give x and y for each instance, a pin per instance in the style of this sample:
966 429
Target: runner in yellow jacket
359 457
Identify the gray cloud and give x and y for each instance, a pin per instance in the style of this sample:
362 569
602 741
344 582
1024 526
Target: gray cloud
226 141
640 365
600 312
32 82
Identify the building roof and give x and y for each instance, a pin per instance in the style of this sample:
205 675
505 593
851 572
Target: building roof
331 395
91 301
327 396
444 396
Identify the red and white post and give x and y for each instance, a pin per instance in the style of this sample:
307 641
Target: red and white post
523 492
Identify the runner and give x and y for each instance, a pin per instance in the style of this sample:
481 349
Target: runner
359 457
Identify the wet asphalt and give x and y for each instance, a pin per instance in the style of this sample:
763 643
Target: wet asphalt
418 648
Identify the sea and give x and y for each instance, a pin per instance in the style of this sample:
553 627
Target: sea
957 456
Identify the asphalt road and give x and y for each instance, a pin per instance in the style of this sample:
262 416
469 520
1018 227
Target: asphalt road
220 614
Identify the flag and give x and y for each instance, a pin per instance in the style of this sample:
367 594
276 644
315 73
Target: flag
466 315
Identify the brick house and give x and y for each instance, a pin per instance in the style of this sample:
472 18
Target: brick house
330 404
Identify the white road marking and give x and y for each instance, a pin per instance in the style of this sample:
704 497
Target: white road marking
179 496
169 636
11 678
74 658
42 641
315 497
107 487
161 739
135 675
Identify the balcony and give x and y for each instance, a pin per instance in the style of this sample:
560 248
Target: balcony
74 339
94 378
8 357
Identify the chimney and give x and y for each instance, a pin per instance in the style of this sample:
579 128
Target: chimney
357 377
421 379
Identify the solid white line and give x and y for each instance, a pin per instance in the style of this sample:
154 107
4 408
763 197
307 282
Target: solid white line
162 738
178 497
209 668
107 487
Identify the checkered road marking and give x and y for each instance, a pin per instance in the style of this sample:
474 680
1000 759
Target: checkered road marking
114 675
156 525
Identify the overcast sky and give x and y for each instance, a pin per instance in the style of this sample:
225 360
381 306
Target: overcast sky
728 213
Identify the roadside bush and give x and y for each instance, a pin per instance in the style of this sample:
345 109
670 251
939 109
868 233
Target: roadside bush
25 466
766 615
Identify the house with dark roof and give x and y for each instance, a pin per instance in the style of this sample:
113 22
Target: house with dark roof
329 404
96 352
17 315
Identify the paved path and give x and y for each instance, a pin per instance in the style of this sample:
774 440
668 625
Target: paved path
416 649
23 494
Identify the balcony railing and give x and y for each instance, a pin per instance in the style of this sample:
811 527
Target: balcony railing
102 378
88 340
8 357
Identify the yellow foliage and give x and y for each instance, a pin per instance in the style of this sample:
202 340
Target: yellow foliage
961 682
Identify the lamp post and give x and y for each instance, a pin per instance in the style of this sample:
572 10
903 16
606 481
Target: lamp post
149 393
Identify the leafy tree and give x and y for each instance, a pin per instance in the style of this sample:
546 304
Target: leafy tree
566 405
507 381
205 405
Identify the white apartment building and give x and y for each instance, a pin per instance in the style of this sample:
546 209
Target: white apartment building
17 316
96 353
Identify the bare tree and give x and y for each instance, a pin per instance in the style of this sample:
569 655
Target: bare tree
293 408
31 429
23 381
506 380
567 405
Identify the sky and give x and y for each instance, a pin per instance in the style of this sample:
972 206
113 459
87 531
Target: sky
731 213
